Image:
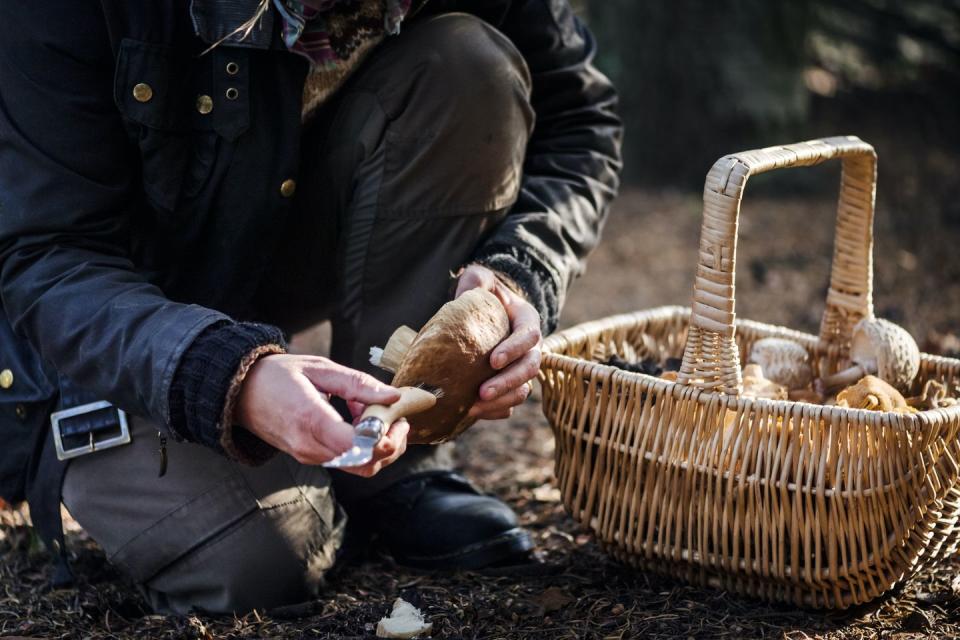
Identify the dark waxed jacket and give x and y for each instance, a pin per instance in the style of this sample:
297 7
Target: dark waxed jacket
121 221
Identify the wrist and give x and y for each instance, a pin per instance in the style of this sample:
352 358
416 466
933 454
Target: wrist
237 409
208 380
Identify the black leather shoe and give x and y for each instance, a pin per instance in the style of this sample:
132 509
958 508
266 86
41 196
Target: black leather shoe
438 520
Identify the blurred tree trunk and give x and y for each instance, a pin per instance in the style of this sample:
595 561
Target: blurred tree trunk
699 79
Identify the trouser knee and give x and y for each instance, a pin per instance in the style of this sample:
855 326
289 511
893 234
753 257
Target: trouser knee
461 124
210 534
271 558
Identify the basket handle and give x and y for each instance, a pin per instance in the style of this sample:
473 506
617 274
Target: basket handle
711 359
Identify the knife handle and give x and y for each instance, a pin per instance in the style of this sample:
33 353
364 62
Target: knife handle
412 400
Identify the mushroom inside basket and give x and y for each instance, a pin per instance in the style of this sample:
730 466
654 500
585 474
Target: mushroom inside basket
822 472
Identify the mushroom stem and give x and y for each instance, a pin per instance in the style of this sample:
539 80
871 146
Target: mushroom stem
392 354
843 378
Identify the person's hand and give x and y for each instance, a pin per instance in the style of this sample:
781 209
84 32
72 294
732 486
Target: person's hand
284 401
517 358
390 447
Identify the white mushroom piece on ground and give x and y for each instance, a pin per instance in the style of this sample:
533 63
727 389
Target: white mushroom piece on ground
755 385
404 621
451 353
879 348
783 361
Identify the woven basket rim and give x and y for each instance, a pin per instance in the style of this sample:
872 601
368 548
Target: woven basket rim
551 357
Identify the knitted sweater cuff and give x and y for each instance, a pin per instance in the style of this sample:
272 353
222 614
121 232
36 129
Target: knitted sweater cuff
534 280
207 383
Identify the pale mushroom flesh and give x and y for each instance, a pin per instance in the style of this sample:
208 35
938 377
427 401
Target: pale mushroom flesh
879 348
783 361
404 621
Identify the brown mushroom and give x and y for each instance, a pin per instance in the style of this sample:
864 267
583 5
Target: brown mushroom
873 394
783 361
933 396
755 385
450 353
879 348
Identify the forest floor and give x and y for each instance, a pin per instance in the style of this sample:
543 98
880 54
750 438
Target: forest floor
574 591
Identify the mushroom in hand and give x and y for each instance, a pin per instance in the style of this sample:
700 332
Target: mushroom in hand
783 361
451 353
879 348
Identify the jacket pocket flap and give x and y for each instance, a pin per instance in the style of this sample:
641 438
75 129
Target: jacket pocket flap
153 86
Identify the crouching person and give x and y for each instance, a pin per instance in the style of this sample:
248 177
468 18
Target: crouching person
182 185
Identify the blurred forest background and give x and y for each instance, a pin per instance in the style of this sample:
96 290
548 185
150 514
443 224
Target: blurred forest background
699 79
702 79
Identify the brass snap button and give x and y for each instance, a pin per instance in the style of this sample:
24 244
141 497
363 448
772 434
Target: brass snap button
233 68
21 411
142 92
204 104
6 379
288 188
232 93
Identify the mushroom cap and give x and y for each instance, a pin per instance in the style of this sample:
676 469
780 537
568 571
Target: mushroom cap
783 361
755 385
452 353
874 394
889 351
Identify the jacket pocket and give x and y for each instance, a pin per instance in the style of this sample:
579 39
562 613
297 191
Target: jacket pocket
169 103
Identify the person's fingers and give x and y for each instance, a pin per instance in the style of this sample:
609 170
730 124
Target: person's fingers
350 384
474 277
356 408
392 445
388 450
321 433
524 369
524 318
525 335
511 399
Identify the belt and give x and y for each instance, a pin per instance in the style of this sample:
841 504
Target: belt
81 425
89 427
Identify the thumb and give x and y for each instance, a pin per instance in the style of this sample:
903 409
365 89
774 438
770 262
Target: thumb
475 277
356 408
327 428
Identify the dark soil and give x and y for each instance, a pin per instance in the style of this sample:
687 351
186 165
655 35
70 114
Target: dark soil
575 591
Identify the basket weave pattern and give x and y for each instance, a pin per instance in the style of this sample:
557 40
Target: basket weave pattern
822 506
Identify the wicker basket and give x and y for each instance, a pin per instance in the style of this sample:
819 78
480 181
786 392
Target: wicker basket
816 505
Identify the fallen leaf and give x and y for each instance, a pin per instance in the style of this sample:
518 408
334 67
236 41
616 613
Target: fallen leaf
546 493
553 599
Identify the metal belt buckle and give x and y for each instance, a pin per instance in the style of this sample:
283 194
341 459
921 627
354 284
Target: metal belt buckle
94 438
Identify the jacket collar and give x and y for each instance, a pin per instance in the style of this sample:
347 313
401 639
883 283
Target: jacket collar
214 19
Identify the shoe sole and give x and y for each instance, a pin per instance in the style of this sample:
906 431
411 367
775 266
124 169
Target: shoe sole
500 549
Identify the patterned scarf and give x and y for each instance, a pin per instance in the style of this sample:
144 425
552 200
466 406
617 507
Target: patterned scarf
328 32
